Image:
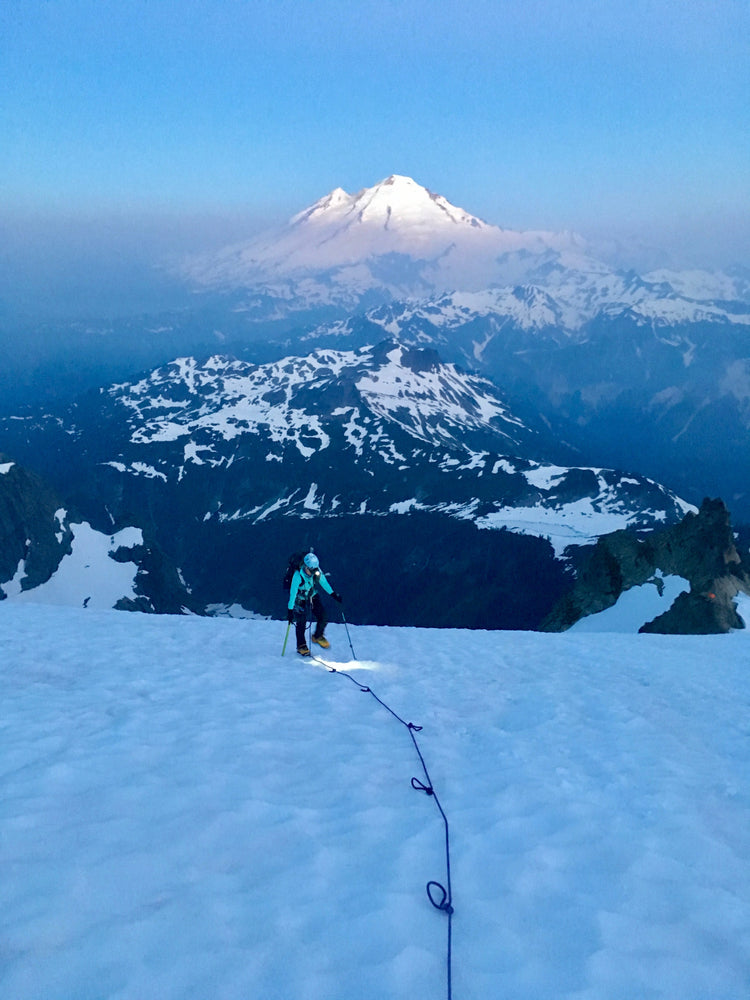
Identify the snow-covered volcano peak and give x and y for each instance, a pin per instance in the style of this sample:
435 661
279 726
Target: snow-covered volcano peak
336 202
396 239
396 203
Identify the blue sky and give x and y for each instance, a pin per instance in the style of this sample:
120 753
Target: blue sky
625 116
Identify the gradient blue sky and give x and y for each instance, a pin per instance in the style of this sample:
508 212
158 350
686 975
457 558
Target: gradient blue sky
215 118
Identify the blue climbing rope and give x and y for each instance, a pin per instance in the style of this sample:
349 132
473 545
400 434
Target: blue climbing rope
441 896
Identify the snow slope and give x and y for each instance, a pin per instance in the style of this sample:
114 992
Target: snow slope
188 814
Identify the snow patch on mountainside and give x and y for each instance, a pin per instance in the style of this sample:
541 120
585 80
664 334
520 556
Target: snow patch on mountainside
578 523
88 576
635 606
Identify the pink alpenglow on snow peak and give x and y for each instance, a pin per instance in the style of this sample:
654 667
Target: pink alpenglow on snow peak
396 236
397 202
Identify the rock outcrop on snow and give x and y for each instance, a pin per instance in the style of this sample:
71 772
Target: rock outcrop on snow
33 528
700 549
49 556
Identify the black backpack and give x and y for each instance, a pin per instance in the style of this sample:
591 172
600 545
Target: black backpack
295 561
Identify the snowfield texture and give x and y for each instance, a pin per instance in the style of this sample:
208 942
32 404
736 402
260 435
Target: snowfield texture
188 814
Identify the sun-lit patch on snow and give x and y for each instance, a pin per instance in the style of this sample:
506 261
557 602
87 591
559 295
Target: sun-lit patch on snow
350 666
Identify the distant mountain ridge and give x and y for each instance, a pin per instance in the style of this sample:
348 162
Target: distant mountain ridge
381 446
398 240
383 429
391 373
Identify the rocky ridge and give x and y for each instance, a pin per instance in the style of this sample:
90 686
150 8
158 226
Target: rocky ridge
34 529
385 451
700 549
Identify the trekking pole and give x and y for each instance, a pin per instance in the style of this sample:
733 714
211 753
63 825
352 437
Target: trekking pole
347 634
283 648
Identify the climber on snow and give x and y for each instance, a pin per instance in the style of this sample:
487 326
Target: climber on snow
304 598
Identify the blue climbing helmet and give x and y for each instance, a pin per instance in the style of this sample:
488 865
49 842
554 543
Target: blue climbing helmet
311 561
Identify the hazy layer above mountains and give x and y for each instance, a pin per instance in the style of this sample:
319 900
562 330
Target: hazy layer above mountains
91 265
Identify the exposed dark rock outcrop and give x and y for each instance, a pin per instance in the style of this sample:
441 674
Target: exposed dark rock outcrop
33 527
37 532
158 585
700 549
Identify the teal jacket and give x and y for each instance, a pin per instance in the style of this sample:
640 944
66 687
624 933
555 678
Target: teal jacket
304 587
